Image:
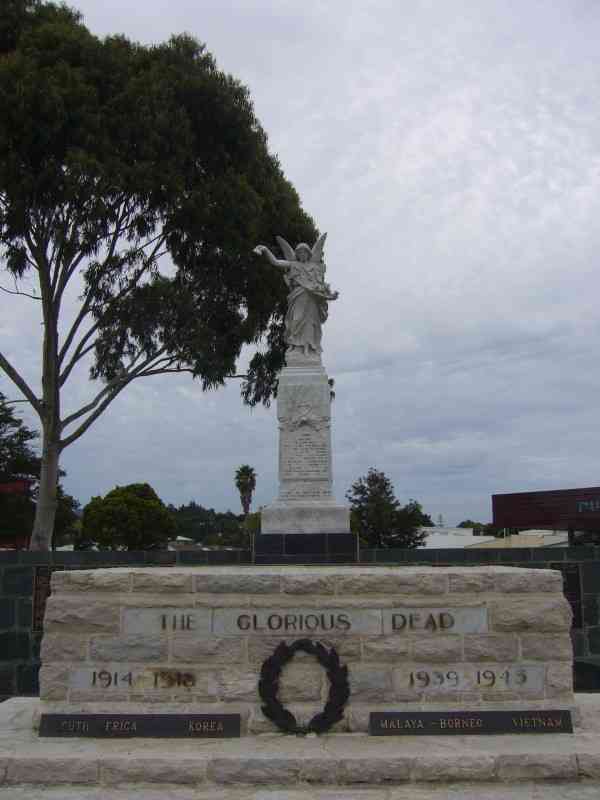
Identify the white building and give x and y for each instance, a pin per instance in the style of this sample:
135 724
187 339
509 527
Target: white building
453 537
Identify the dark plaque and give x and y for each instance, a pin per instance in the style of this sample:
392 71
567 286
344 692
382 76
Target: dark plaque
467 723
120 726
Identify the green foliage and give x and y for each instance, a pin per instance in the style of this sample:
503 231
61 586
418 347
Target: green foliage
245 481
18 460
205 525
479 528
252 523
377 516
156 145
66 521
128 518
16 515
230 538
17 457
117 161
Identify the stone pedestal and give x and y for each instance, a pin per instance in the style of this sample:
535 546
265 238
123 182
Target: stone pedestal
193 640
305 504
416 641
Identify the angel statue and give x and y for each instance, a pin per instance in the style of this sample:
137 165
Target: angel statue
304 274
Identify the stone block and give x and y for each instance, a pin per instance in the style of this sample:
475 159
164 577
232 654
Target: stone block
469 581
258 723
300 681
154 621
161 581
535 614
370 683
216 650
129 648
319 770
446 769
398 582
412 681
430 621
249 583
313 584
536 767
79 616
62 647
438 650
544 647
559 679
51 771
385 648
103 580
375 770
260 648
257 770
312 516
589 766
91 696
358 716
238 685
53 681
296 622
528 580
491 647
153 770
58 581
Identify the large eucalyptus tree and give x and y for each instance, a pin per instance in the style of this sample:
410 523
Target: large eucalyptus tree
141 176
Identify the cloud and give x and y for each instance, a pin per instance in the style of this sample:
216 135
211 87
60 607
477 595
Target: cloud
452 152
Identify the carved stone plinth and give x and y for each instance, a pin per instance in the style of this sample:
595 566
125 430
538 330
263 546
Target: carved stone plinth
193 640
305 503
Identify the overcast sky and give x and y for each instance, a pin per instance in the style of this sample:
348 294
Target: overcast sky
451 150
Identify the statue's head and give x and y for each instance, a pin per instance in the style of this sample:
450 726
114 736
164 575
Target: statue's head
303 252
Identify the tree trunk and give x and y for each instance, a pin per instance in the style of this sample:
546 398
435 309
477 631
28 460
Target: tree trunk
45 511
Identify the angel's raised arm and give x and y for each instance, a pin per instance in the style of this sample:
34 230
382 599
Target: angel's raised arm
261 250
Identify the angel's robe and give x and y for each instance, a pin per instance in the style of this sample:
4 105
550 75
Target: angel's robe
307 306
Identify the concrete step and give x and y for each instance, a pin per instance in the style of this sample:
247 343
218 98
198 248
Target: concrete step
458 791
269 766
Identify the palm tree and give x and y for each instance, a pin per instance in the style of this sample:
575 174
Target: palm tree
245 481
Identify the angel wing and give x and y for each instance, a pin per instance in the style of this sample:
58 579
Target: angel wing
317 251
286 249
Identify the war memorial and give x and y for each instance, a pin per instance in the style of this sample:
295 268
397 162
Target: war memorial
306 674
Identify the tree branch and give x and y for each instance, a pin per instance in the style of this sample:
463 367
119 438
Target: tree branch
86 308
22 294
103 399
93 403
20 383
94 416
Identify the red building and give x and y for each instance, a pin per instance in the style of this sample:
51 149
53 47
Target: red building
564 509
17 540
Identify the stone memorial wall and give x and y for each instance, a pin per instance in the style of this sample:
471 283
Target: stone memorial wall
126 639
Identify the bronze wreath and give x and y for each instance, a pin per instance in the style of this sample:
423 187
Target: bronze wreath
268 687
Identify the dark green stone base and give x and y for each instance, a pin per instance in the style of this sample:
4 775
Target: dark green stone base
306 548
